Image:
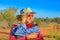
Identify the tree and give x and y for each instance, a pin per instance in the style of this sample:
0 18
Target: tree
47 20
38 20
57 19
9 14
1 18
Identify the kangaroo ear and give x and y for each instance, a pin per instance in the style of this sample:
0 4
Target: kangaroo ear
36 24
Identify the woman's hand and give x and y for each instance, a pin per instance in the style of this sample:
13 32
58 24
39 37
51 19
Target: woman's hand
32 35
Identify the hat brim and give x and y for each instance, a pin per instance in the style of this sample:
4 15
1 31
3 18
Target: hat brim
31 13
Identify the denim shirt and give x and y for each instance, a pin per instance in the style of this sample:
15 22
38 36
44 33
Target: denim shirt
21 30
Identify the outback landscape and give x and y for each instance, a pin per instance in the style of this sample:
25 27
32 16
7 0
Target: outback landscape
49 27
44 13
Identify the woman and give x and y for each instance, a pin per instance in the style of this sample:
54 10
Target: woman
30 22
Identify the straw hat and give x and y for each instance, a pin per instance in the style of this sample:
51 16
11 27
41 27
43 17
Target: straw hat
25 11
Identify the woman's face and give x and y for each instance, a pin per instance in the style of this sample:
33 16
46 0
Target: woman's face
29 18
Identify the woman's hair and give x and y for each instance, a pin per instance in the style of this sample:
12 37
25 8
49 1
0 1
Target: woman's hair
21 18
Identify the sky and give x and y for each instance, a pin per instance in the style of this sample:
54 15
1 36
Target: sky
43 8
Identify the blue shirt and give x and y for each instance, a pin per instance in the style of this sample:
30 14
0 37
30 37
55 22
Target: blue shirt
21 30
